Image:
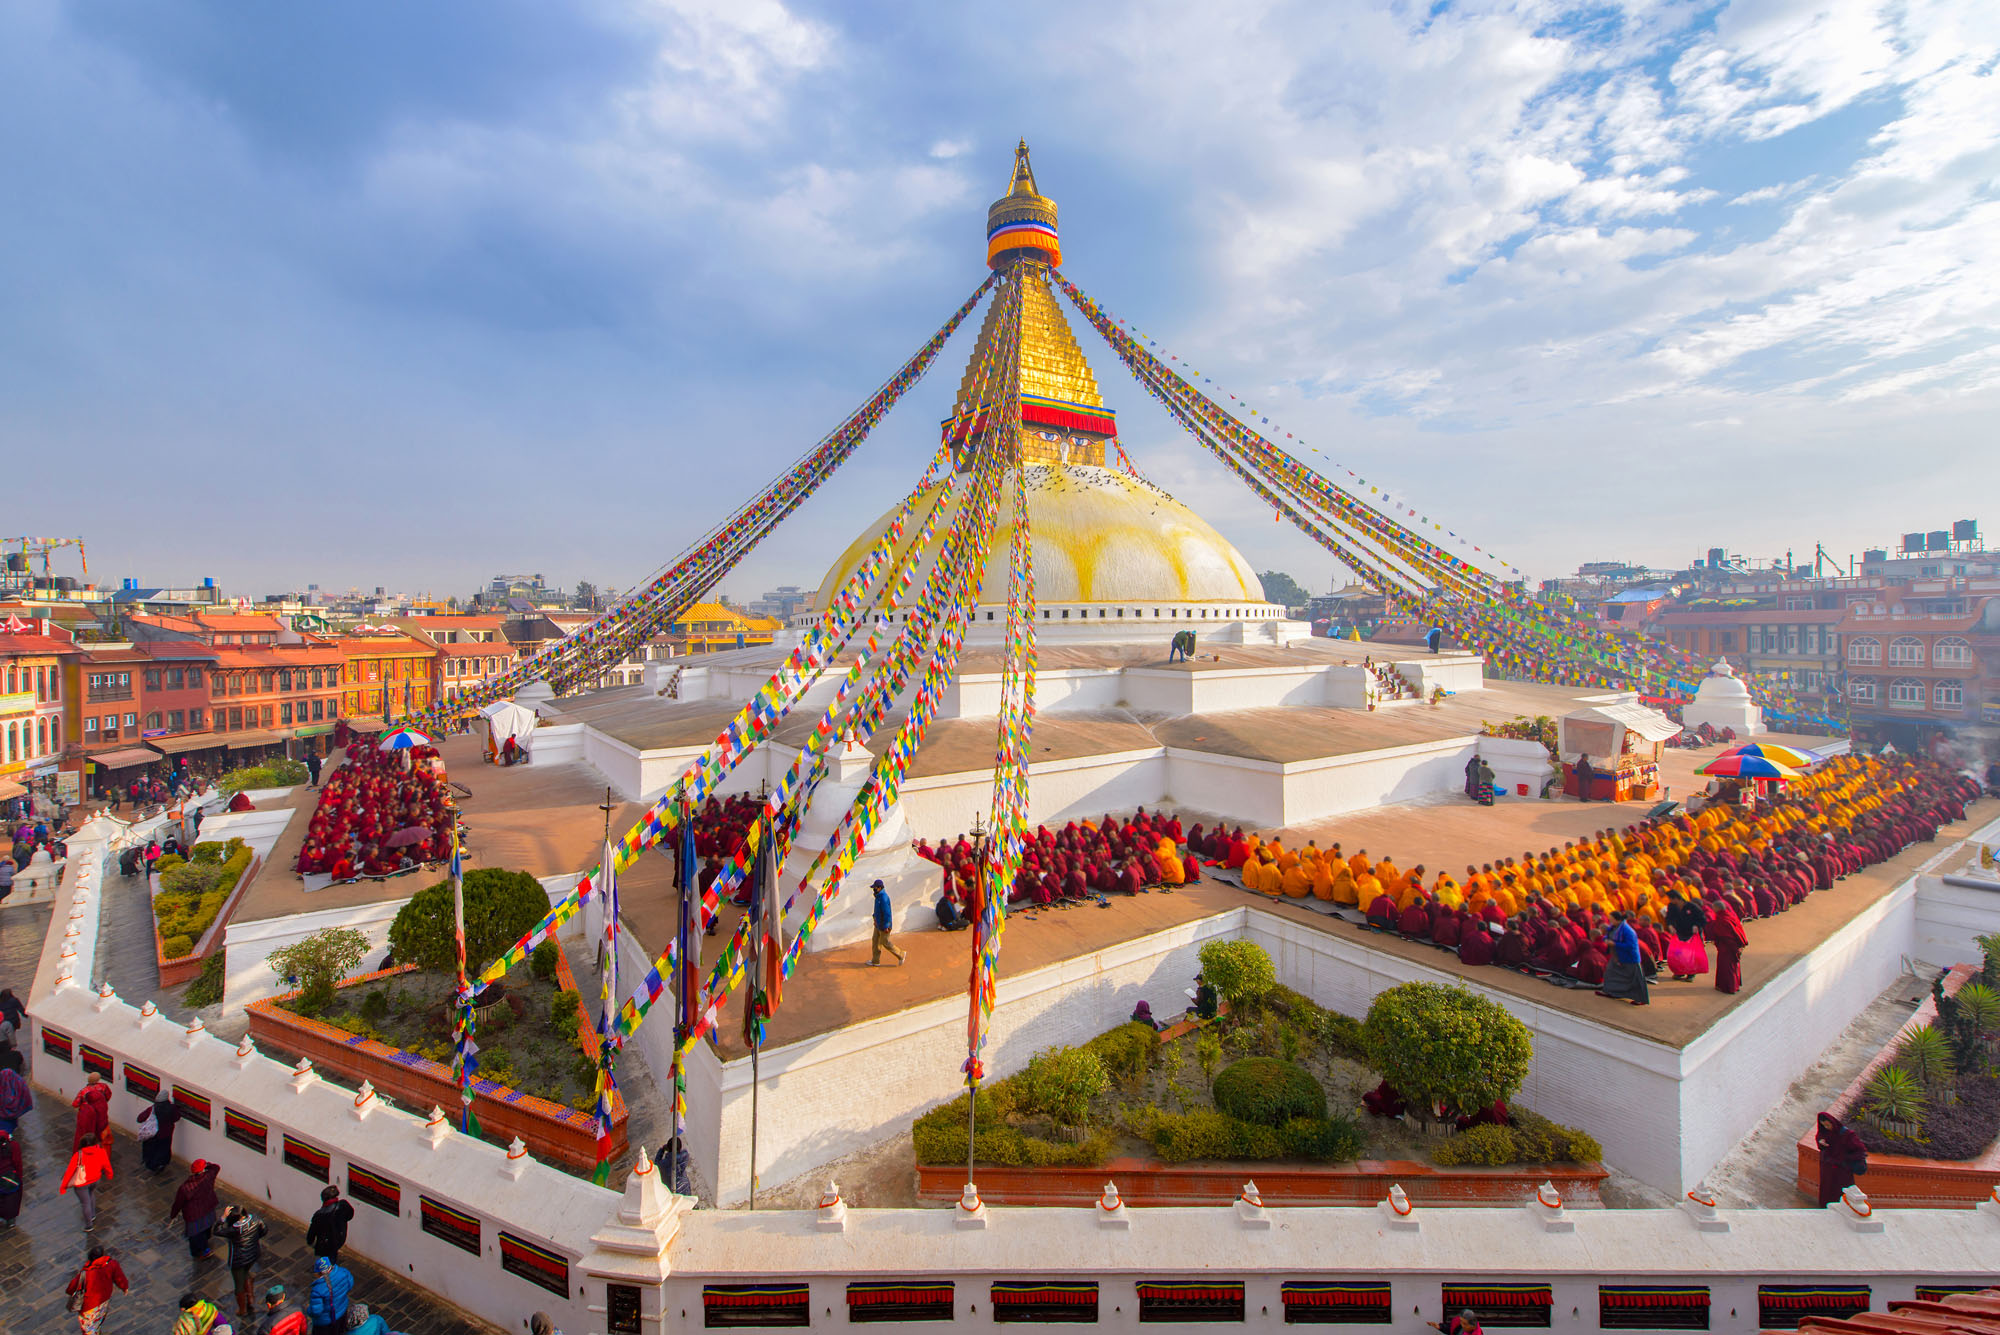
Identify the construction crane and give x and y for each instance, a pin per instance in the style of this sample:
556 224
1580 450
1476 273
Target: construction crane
14 568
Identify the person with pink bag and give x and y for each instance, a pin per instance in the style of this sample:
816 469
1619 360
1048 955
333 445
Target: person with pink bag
1687 956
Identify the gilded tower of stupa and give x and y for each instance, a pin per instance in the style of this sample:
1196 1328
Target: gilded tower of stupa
1063 418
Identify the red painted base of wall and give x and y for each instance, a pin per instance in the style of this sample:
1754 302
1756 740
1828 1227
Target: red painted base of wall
1142 1182
553 1133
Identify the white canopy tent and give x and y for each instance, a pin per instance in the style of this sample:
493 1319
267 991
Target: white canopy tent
505 719
1599 730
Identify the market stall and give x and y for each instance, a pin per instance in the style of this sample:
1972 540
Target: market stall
1611 753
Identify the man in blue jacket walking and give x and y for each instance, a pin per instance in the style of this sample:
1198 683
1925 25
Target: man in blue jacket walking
326 1308
882 920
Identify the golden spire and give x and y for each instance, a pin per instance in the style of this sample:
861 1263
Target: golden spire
1021 224
1024 174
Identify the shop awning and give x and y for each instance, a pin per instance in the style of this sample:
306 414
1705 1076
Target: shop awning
195 741
8 788
243 741
126 759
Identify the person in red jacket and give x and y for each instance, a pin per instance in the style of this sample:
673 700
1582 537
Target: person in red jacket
89 1166
100 1274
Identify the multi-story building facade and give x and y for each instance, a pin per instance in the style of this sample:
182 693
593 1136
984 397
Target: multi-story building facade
386 675
272 694
31 700
1922 659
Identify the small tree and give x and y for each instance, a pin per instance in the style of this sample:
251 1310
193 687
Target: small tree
500 908
1446 1047
1239 971
1282 589
317 964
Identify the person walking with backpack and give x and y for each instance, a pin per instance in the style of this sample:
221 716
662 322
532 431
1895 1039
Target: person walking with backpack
244 1232
90 1289
89 1166
326 1232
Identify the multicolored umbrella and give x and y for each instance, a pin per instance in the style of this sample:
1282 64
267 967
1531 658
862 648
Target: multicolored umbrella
1791 756
1740 766
405 739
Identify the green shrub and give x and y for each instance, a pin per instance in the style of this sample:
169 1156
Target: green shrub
177 946
1239 971
278 772
1061 1082
1207 1053
1268 1092
1989 950
209 853
1200 1134
1446 1046
565 1009
496 1064
1127 1052
375 1005
1979 1005
1248 1140
542 960
317 964
1343 1036
1895 1095
500 908
939 1137
206 989
1322 1139
1925 1053
1478 1147
169 861
190 878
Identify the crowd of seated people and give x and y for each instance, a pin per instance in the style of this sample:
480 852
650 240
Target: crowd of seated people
1684 881
364 804
1082 861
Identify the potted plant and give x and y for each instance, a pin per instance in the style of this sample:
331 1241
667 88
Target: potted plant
1896 1101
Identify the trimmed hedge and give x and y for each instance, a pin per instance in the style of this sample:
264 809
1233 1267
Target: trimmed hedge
939 1137
1127 1052
1529 1138
1268 1092
1207 1134
192 894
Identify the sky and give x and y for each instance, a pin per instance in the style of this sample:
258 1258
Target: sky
414 294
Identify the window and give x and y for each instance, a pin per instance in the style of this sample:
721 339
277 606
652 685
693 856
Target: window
1951 651
1948 695
176 720
268 712
1812 639
1791 639
235 720
90 726
1907 693
43 730
1861 690
108 727
285 679
1906 649
124 680
131 720
96 680
152 679
194 676
174 678
1725 640
1864 649
194 719
153 721
236 683
41 683
319 710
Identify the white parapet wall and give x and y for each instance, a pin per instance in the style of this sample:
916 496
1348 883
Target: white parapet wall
1246 1257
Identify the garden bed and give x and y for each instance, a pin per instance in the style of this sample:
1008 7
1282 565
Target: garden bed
1277 1091
1907 1177
402 1045
190 922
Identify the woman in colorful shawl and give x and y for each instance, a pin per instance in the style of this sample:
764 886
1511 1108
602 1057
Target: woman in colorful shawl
16 1101
93 1284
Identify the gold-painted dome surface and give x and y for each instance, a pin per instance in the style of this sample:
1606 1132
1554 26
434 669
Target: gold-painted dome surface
1100 536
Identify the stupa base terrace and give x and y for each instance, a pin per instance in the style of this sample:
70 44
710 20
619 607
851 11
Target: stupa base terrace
855 1052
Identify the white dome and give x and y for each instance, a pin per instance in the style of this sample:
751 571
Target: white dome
1100 536
1721 684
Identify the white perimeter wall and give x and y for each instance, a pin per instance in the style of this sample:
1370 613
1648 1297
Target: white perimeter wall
1664 1116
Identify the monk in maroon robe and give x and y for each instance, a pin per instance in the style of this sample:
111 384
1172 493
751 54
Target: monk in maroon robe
1382 912
1476 946
1725 930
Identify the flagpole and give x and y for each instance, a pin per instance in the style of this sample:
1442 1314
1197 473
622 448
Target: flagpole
972 1069
752 1022
684 875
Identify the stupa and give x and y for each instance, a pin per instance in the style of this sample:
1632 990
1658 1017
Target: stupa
1723 701
1114 554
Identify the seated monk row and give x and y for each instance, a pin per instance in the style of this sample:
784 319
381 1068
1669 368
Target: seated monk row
1083 859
